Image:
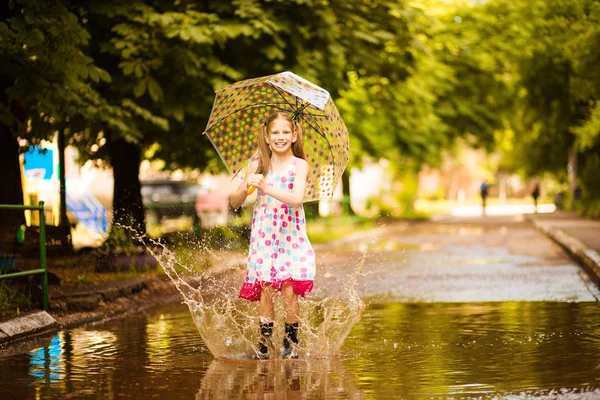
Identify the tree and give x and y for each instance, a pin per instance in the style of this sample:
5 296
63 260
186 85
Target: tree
555 115
166 60
44 80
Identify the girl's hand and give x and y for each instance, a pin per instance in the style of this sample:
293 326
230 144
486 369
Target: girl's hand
258 181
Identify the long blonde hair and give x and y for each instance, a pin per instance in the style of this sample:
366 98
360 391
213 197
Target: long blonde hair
264 151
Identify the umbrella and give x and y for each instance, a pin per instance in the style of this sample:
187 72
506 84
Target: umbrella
241 108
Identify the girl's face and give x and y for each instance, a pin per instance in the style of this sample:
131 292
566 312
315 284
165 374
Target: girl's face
280 136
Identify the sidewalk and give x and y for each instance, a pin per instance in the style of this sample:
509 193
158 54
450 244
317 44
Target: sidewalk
580 237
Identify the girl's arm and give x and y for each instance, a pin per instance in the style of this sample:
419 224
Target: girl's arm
238 197
293 198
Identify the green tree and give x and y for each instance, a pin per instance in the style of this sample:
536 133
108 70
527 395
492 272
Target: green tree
555 116
44 80
166 60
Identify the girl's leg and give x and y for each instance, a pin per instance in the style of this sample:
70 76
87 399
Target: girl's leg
266 308
267 314
291 311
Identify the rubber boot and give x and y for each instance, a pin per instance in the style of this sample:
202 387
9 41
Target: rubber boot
266 331
290 339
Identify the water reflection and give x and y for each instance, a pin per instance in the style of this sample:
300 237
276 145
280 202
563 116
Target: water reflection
476 349
506 350
46 361
278 379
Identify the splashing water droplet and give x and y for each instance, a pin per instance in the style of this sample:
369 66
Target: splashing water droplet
229 325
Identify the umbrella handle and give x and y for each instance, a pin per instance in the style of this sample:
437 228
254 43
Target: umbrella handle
251 190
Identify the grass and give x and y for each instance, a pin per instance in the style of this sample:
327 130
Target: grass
322 230
13 301
79 270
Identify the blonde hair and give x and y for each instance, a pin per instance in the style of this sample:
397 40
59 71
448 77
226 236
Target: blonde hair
264 151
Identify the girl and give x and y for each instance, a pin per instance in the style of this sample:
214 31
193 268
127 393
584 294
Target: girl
280 256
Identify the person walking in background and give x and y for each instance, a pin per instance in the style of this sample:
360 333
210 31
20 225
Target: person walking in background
536 194
280 256
483 189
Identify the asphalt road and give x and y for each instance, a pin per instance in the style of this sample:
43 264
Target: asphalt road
458 259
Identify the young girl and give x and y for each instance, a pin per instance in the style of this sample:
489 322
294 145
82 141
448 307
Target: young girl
280 257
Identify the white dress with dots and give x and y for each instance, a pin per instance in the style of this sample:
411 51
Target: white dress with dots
279 247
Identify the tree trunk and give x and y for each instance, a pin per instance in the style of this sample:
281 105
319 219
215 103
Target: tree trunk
572 169
128 208
347 207
11 191
12 188
62 187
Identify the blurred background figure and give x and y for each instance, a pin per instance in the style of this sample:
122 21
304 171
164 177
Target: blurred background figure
483 189
535 194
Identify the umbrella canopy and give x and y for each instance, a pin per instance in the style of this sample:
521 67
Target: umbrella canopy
241 108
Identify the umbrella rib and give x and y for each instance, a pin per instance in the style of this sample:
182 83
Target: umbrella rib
280 92
320 133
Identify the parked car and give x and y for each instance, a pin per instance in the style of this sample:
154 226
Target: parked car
170 199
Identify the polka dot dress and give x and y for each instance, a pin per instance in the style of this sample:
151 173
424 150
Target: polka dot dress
279 247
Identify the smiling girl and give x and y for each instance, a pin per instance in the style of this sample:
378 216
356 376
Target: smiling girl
280 257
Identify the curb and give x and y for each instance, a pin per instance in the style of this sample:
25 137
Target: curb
85 307
26 326
588 258
89 299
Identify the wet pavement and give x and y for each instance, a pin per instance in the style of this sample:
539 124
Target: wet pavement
489 309
490 259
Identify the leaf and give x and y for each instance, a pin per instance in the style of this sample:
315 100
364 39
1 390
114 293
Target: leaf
94 75
139 72
154 90
139 89
178 113
127 67
105 76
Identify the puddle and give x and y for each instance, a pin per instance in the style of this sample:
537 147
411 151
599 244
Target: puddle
478 349
509 350
445 318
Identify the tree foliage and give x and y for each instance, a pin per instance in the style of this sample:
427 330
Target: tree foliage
45 77
410 78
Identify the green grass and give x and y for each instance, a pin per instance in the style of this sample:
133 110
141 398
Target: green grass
13 301
323 230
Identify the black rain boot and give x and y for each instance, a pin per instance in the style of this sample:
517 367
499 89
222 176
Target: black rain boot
266 331
290 339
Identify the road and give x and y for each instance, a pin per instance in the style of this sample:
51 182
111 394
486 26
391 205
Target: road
458 259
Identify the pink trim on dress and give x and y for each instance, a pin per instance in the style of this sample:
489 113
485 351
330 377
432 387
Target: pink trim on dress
252 291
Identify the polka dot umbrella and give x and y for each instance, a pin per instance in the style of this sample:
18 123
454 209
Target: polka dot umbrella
241 108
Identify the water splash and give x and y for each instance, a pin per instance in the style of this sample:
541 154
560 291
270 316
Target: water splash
229 325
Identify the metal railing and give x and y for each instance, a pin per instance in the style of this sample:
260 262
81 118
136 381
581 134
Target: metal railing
43 267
